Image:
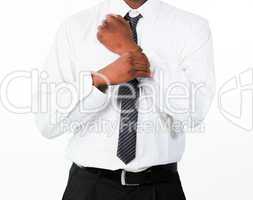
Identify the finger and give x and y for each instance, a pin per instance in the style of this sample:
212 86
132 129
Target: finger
121 19
100 27
140 56
142 68
119 16
116 17
109 15
99 36
111 18
142 74
141 60
104 22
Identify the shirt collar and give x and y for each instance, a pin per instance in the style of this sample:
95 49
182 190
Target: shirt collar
148 10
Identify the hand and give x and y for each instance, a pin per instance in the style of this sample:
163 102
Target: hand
116 35
127 67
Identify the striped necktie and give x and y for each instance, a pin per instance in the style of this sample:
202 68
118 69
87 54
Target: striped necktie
129 112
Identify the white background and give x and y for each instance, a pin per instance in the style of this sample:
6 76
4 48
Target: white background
217 164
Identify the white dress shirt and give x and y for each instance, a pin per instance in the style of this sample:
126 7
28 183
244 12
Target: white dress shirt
178 45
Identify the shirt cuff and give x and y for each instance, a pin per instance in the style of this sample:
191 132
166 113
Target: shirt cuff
93 99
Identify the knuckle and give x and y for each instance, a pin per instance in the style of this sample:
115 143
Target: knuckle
109 18
132 72
130 60
129 55
98 36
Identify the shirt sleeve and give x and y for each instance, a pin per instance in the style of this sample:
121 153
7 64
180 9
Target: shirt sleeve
189 86
66 97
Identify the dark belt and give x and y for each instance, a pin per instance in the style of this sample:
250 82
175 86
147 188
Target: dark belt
159 173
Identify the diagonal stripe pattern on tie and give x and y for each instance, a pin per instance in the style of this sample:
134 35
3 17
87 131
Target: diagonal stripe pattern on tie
129 111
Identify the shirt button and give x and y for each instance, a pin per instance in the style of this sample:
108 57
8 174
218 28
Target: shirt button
133 13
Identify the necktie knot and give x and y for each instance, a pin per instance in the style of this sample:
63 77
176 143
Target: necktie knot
133 23
133 20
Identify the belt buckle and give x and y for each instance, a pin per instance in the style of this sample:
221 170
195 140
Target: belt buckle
123 179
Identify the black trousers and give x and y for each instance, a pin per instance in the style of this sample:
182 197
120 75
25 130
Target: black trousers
84 185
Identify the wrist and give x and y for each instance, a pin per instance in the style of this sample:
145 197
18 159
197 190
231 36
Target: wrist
131 48
96 80
99 81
